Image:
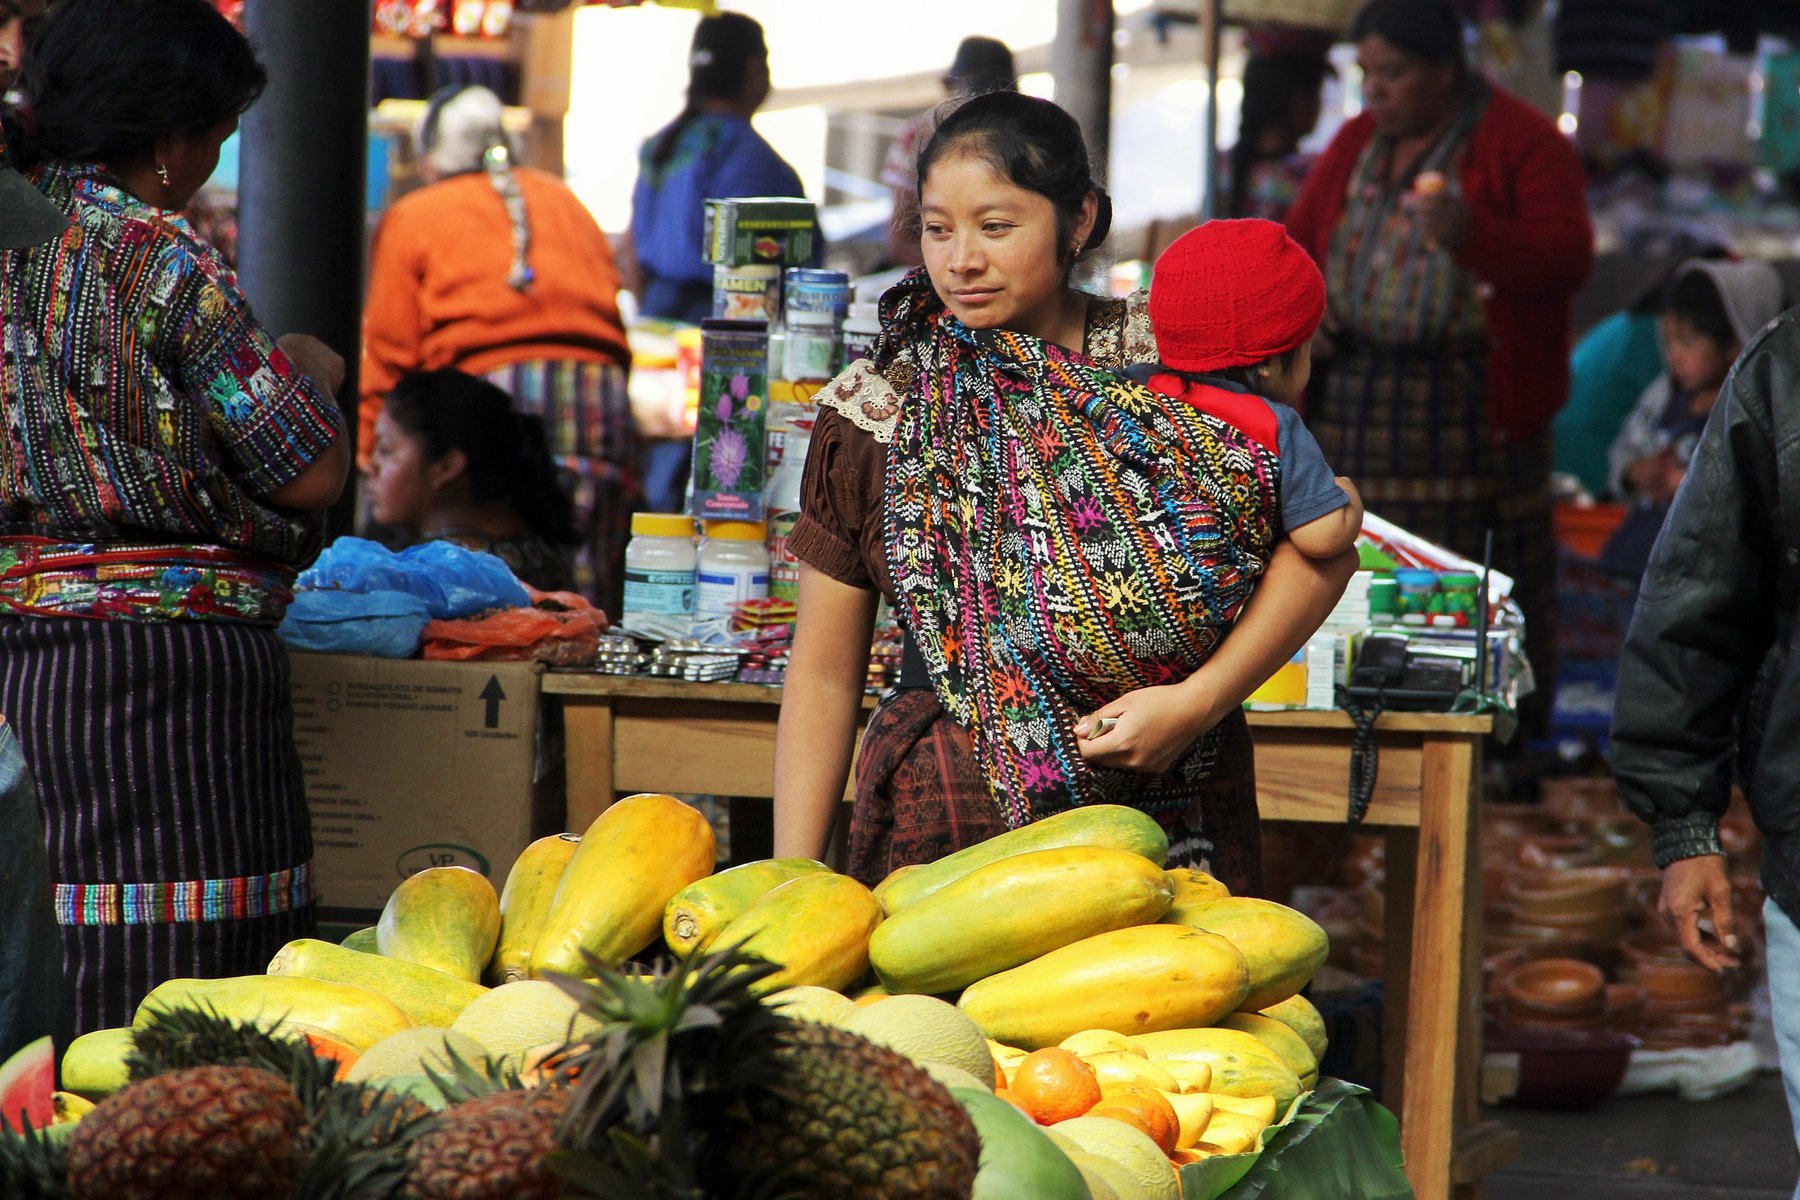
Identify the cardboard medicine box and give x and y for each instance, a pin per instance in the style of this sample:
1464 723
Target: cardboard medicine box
412 764
759 229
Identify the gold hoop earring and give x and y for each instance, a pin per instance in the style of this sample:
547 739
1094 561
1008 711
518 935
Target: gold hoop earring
162 173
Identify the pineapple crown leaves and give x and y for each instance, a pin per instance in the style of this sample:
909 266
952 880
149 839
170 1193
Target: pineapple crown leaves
471 1081
689 1039
34 1164
172 1039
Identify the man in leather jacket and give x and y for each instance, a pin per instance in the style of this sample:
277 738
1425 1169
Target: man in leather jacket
1707 682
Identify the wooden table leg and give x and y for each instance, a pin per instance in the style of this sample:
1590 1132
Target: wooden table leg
588 732
1401 872
1445 991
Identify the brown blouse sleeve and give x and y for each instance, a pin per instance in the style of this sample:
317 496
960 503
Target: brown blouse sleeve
834 500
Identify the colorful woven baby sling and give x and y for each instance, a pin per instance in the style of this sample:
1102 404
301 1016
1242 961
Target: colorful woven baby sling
1058 536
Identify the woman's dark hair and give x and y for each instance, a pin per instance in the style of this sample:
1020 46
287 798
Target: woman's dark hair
508 453
1271 84
724 46
106 78
1694 297
1031 142
1426 29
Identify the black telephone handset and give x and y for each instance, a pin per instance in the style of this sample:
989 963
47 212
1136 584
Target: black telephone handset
1380 662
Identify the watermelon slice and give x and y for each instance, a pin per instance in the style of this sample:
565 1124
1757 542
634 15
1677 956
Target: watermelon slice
27 1083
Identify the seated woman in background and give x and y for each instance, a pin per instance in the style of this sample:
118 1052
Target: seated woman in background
453 460
1710 311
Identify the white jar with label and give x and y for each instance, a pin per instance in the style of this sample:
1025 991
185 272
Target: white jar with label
733 567
660 561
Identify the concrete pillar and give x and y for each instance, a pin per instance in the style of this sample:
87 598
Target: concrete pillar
302 179
1081 62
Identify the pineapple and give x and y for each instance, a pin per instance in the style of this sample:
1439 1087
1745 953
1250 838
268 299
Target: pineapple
34 1164
492 1146
204 1131
269 1108
843 1116
693 1090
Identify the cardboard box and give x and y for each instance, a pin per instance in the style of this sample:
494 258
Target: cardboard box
759 229
412 765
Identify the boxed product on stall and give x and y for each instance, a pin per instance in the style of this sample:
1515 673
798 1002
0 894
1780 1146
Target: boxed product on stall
411 764
760 229
729 434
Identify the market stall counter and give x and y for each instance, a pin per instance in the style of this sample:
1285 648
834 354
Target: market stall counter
628 734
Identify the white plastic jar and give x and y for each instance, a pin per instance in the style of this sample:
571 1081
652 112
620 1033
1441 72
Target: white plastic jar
733 567
660 562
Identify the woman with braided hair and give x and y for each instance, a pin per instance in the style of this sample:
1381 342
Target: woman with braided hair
500 271
1041 525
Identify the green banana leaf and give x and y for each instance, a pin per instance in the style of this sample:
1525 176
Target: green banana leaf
1335 1143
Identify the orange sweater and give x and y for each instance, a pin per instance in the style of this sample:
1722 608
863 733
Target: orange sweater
438 295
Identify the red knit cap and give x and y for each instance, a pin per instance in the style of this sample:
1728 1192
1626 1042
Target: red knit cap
1232 293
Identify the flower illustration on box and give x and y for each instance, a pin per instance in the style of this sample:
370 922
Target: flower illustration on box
728 440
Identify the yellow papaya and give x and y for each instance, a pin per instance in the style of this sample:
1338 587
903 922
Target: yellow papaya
365 940
1112 825
525 902
352 1015
1132 981
1298 1014
631 862
816 927
701 910
1284 948
445 918
426 996
1241 1065
1193 887
1287 1045
893 877
93 1066
1012 911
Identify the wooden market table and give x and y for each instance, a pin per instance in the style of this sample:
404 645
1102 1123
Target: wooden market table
634 734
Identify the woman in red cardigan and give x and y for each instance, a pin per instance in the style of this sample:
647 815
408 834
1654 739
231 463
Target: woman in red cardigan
1450 220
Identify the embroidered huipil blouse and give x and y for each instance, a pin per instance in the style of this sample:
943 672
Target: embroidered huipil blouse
145 417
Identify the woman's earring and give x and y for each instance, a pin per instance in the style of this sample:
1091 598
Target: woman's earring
162 173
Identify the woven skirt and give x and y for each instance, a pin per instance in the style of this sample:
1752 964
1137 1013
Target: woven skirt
920 795
593 438
174 813
1411 428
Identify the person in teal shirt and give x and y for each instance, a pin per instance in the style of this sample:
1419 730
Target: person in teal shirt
1609 369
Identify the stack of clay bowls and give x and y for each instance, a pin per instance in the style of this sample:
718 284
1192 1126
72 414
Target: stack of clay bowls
1554 993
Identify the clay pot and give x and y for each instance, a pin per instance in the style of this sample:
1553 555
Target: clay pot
1557 852
1624 1006
1679 986
1562 1068
1582 799
1557 986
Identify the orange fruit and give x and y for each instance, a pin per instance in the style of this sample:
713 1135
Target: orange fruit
999 1075
1156 1115
341 1053
1055 1085
1007 1095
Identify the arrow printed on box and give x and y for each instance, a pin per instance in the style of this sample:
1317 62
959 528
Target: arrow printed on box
493 696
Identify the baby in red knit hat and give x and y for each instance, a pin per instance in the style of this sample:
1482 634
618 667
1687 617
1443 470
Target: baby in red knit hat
1234 305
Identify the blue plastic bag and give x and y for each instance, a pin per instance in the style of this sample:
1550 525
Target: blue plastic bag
452 581
385 623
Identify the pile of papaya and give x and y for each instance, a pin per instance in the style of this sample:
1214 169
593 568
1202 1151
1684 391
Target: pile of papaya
1067 935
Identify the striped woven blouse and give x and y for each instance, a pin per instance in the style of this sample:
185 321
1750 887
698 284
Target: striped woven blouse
146 418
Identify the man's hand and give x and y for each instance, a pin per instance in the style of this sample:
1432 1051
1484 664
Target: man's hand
1696 888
